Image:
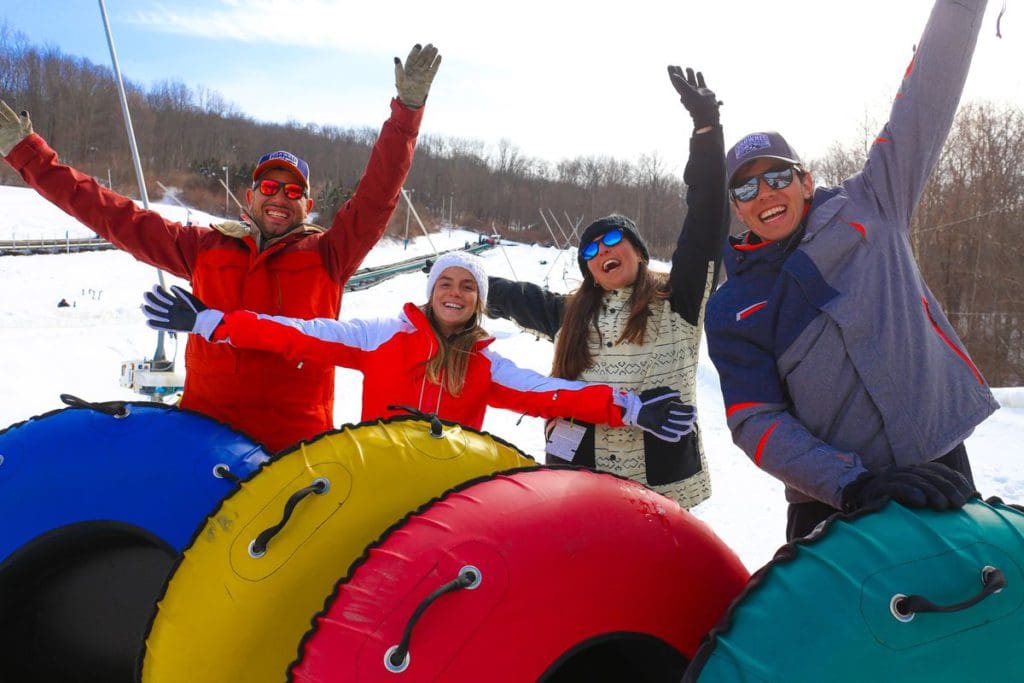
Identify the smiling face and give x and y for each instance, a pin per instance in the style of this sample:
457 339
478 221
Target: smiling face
615 267
773 214
454 300
277 215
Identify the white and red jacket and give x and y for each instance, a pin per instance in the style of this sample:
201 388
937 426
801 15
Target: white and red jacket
392 354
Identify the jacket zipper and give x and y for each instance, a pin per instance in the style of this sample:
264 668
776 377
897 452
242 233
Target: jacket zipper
963 356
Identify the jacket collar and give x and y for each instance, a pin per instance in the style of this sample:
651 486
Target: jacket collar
292 235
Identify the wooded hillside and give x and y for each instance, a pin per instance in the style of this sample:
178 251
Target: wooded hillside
964 232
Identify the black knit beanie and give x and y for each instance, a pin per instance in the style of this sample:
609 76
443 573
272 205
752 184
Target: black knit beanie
606 224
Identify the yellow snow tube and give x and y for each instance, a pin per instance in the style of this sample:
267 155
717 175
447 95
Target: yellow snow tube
247 588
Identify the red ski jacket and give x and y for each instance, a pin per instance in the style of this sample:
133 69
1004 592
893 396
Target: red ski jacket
392 354
301 275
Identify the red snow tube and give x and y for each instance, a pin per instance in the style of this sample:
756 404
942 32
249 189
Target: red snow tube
549 574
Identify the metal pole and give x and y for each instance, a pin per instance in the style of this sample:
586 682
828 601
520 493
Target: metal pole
559 226
158 355
231 194
408 203
575 226
406 242
550 231
494 231
227 192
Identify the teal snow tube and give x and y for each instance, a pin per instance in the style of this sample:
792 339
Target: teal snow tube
887 595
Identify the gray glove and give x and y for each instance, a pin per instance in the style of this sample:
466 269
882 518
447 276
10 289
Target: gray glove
13 128
413 80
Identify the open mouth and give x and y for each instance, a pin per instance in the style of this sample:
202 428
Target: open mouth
772 215
610 265
276 213
452 305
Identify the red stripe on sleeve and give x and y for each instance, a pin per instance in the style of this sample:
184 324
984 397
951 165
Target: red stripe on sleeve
741 406
761 444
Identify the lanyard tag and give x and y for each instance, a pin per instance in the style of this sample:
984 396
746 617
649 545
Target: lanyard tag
564 438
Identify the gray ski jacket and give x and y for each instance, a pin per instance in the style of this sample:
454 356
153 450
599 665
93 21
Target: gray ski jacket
834 357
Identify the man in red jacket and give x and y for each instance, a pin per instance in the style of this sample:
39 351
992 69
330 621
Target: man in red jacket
276 263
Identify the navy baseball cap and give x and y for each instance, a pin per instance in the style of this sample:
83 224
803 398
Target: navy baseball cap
285 160
766 145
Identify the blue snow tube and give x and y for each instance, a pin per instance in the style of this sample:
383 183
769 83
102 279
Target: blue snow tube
97 501
887 595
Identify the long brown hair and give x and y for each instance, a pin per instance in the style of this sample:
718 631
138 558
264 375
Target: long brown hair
573 354
448 366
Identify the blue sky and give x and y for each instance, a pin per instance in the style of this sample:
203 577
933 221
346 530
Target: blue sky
557 79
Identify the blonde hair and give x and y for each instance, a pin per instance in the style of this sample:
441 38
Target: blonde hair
448 367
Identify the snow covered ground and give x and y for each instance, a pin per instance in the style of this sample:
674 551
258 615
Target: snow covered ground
46 351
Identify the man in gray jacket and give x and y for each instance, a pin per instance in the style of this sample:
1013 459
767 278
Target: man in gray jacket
841 375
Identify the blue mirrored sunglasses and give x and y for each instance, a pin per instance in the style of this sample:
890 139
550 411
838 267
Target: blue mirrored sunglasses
609 239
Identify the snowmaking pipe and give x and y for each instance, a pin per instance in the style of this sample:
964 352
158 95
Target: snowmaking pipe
502 247
231 194
568 242
550 231
158 355
408 202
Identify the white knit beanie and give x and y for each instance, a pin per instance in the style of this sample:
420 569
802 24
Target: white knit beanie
460 259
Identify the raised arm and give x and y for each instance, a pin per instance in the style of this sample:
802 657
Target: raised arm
698 253
322 341
907 149
146 235
526 304
657 411
362 220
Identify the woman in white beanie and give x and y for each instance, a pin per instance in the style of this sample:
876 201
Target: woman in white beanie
433 357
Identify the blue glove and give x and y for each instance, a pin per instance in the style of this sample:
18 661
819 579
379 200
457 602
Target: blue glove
660 412
179 311
928 485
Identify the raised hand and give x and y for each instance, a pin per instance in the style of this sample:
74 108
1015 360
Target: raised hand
660 412
413 79
698 99
13 128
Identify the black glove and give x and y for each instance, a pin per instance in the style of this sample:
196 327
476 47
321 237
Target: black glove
176 311
660 412
928 485
695 96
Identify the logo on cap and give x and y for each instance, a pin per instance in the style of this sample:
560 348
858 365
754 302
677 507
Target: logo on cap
282 159
287 156
752 143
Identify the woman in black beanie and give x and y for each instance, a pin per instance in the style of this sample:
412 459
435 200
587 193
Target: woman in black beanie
634 329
